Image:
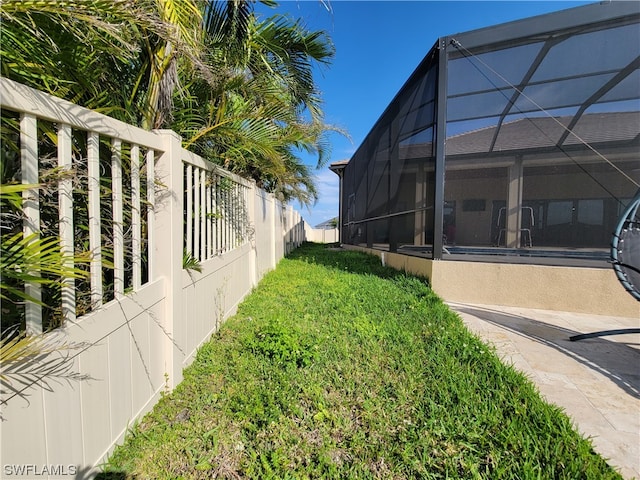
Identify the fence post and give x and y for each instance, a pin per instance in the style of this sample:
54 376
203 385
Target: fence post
168 247
252 226
272 228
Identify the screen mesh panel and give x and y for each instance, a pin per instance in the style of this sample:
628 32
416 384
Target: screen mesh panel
391 176
542 147
558 113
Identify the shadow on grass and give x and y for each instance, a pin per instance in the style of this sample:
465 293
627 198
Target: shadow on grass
332 256
86 473
111 476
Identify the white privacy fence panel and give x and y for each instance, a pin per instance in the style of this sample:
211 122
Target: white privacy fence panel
321 235
89 397
293 230
143 207
212 295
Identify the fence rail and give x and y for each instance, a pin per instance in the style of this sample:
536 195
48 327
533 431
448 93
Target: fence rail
141 205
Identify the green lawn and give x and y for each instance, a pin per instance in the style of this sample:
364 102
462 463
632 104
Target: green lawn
336 367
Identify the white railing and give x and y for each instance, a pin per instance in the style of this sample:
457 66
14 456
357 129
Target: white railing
216 205
69 121
142 206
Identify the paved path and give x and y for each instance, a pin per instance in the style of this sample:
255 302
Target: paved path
596 381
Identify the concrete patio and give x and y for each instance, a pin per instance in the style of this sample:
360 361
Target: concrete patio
596 381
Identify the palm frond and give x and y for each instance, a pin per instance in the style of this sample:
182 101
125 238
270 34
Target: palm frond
36 260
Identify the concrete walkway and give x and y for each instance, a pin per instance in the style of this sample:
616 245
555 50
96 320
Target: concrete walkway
596 381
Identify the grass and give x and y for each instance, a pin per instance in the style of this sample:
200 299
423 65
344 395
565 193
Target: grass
336 367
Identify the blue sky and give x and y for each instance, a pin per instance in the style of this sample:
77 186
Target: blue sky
378 45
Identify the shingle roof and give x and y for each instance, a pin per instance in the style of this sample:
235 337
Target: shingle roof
538 132
544 132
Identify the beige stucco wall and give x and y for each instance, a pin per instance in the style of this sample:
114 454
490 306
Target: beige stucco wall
570 289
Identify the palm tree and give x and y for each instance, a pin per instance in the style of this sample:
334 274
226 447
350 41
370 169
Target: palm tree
72 49
114 56
157 73
264 107
243 88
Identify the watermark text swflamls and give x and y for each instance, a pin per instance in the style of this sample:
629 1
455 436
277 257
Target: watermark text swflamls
34 470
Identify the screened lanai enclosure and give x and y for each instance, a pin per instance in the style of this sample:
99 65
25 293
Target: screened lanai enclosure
518 142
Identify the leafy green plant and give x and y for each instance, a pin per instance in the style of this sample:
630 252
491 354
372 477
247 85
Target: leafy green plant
278 342
239 89
29 259
189 262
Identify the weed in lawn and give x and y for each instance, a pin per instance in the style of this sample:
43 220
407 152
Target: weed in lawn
278 342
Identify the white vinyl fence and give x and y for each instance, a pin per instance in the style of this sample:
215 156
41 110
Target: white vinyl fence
321 235
144 315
